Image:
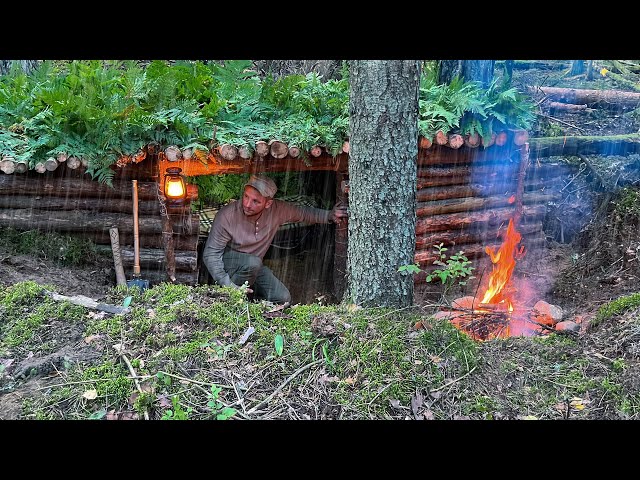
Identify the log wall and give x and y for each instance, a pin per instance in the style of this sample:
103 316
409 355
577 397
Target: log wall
465 198
68 201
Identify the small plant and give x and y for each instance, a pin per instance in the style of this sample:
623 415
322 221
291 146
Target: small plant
221 412
455 270
177 413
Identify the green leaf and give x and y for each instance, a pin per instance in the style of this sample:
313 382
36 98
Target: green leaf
279 344
126 302
99 415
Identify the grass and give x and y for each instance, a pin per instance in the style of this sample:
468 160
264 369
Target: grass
182 343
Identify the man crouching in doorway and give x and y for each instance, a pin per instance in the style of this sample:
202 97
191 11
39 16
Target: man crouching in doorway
242 233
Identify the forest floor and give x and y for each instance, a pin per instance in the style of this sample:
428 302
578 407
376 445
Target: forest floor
178 352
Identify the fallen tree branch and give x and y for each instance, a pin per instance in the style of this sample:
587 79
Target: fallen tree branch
88 303
135 380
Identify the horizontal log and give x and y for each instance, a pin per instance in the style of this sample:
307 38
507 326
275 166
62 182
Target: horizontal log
599 98
495 217
488 182
452 239
181 242
468 204
156 276
586 145
82 221
115 205
439 155
536 182
476 250
153 258
567 107
477 171
193 168
81 187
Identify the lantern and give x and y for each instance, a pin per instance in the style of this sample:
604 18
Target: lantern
174 186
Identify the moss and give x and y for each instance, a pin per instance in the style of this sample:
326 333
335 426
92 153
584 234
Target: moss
616 307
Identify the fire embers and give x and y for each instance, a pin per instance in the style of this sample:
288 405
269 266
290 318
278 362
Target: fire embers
489 321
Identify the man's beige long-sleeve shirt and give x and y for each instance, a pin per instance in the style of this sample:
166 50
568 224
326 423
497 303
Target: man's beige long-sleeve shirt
232 228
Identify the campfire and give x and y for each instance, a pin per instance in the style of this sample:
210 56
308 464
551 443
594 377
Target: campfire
497 311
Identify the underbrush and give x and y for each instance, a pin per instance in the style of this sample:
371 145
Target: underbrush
206 353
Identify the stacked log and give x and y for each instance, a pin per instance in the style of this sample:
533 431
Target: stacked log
466 197
86 208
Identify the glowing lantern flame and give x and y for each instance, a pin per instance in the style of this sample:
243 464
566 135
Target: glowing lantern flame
504 262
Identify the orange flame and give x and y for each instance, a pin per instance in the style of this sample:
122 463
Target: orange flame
504 262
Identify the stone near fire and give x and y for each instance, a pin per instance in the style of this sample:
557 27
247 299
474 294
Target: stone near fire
568 325
545 313
444 315
465 303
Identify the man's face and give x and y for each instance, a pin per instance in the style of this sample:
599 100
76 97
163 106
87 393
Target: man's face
253 203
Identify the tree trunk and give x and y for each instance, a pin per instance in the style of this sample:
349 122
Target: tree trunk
27 66
383 121
469 70
607 145
577 68
600 98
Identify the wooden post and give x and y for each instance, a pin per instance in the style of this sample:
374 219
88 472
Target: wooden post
121 279
167 242
341 239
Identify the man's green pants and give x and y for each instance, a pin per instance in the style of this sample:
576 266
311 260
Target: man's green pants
243 267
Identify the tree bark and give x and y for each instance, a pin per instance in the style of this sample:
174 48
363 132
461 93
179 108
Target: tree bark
27 66
468 70
383 120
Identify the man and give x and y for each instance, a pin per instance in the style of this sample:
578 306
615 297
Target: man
242 232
